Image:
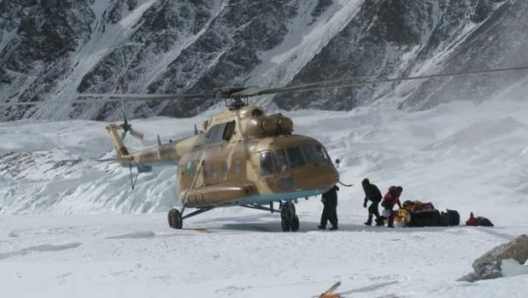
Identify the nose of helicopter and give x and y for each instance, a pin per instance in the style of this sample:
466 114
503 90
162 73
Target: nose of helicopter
317 176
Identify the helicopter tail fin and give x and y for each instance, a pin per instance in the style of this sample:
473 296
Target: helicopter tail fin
119 146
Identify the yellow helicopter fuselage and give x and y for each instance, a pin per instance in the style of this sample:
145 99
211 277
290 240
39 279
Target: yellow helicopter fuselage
242 157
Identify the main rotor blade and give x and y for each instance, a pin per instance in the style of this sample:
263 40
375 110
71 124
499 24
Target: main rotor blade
453 74
106 97
28 103
113 97
240 92
339 83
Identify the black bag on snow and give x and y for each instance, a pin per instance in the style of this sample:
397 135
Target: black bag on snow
450 218
482 221
425 219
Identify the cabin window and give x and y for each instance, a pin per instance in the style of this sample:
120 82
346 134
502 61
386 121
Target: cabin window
266 165
295 156
188 167
236 167
257 112
205 171
193 167
224 170
214 171
280 160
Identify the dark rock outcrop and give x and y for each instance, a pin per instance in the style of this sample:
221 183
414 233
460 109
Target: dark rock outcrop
489 265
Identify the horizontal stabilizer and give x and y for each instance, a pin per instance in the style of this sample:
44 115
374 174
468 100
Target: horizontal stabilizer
108 160
115 159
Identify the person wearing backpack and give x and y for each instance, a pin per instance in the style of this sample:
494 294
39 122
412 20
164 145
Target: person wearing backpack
373 194
391 198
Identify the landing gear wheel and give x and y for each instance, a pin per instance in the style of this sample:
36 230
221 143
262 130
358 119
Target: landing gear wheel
175 219
285 223
295 224
289 221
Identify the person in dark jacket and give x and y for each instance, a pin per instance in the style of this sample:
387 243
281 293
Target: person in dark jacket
329 211
391 198
373 194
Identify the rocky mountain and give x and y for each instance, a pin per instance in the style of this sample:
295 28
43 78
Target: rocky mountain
50 50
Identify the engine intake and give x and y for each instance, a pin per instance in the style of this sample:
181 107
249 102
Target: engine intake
270 125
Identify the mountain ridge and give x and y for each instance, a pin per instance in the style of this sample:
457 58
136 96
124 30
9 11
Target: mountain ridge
50 50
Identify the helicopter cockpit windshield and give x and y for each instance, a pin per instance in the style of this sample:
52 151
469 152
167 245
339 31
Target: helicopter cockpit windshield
281 160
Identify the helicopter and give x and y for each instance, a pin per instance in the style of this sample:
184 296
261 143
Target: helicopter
243 156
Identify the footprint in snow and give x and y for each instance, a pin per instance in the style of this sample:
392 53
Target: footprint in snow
136 235
39 248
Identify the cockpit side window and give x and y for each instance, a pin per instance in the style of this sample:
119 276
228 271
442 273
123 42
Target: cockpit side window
266 164
229 130
281 161
215 134
295 156
219 132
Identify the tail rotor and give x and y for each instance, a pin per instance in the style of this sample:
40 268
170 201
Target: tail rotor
127 127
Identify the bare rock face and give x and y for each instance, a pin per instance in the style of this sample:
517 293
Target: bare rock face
51 50
489 265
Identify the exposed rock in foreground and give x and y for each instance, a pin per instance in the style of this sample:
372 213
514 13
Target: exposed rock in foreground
490 264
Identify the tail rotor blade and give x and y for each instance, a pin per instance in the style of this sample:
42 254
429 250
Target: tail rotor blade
136 133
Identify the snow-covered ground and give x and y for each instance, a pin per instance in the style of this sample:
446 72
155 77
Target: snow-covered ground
70 226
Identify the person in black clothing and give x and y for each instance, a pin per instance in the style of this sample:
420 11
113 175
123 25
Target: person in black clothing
329 211
373 194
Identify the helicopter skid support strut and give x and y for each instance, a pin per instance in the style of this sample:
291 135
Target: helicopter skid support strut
259 207
289 219
175 217
199 211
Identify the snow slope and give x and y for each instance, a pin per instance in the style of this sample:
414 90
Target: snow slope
70 226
